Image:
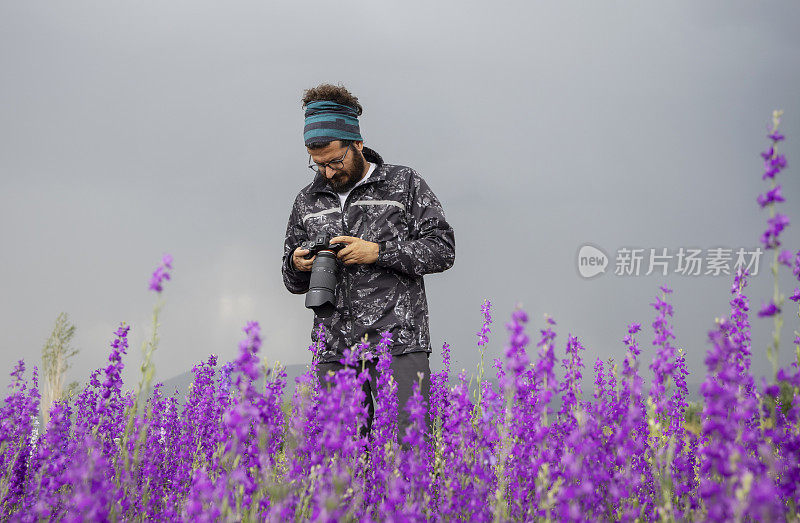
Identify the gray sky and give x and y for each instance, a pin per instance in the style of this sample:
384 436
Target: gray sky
131 129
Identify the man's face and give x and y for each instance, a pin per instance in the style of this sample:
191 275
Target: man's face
344 179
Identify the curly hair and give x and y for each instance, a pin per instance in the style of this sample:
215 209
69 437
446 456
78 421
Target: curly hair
331 93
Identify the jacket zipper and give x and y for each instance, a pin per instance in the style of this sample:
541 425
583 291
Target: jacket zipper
347 299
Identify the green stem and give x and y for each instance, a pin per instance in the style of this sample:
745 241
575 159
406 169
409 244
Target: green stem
797 344
148 371
500 502
777 320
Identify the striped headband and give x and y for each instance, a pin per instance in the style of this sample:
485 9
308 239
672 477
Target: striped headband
328 121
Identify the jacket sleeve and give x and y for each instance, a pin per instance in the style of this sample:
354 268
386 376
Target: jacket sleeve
432 244
296 281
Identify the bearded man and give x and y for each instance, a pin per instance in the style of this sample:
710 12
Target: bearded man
395 232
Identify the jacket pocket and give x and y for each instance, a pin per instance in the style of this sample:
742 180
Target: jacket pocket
383 307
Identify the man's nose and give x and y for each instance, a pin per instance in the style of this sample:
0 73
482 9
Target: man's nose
330 170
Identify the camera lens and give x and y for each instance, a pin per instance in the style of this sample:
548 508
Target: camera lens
321 296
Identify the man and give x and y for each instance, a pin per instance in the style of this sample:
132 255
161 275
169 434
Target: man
394 230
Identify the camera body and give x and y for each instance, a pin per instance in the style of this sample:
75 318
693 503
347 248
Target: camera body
321 295
320 242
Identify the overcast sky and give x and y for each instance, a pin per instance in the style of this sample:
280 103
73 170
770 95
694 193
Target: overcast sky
133 129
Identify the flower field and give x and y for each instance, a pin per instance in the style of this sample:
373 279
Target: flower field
247 446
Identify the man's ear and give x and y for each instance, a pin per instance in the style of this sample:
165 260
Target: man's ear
359 145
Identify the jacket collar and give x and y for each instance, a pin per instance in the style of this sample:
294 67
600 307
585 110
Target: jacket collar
320 183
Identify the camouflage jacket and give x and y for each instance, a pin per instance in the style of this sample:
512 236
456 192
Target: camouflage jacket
395 208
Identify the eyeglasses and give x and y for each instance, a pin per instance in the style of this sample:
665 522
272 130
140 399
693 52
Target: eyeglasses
335 164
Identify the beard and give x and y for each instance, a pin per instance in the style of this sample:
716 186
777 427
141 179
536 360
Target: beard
346 179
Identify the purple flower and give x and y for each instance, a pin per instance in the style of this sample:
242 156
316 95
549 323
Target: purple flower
439 386
111 404
225 377
664 362
204 498
229 452
731 428
247 362
773 166
92 494
384 426
778 162
416 461
776 225
772 390
785 258
483 339
599 382
772 196
571 386
161 274
768 309
793 379
740 320
775 136
17 413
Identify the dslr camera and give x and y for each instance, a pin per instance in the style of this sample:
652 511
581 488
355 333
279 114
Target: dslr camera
321 296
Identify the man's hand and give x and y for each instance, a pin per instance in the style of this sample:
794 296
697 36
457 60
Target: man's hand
357 250
300 263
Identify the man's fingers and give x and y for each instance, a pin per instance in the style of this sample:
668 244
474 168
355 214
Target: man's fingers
301 263
344 252
343 239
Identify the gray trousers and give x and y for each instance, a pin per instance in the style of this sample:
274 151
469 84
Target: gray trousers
404 370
